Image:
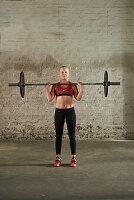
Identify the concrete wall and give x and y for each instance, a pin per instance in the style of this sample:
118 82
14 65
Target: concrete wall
89 36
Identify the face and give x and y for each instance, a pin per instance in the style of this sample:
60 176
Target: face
64 73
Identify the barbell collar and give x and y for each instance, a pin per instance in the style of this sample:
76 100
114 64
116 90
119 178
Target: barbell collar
106 83
21 84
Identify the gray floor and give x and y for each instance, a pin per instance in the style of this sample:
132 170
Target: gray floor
105 171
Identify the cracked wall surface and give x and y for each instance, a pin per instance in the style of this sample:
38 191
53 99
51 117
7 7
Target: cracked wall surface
89 36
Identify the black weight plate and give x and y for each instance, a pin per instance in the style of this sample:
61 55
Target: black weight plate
22 84
106 83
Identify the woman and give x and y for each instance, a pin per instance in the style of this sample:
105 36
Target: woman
64 110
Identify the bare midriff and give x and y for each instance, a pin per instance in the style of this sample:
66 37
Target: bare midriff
64 102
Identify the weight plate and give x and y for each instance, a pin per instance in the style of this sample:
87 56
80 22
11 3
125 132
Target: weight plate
22 84
106 83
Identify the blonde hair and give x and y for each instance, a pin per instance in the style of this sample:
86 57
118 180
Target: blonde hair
64 67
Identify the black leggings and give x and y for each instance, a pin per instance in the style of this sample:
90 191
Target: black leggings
59 119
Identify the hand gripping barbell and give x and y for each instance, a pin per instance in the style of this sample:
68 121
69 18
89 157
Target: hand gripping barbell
21 84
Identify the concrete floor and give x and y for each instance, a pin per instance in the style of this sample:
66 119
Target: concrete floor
105 171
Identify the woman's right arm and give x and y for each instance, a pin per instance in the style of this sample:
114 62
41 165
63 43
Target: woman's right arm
50 95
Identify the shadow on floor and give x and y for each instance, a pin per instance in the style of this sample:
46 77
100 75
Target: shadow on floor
31 165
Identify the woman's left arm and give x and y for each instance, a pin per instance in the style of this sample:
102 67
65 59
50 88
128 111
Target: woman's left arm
78 94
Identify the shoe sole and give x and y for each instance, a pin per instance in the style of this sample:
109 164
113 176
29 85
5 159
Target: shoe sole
58 166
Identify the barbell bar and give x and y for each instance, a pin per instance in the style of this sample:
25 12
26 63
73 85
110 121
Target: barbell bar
21 84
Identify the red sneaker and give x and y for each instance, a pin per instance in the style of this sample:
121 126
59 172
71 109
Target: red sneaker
73 162
57 162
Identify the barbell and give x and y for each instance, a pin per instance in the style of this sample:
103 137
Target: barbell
21 84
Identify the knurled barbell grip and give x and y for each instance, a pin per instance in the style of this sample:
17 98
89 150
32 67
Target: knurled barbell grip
41 84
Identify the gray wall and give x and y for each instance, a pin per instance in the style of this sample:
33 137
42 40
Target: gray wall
89 36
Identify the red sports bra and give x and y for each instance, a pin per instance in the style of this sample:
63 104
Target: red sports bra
68 91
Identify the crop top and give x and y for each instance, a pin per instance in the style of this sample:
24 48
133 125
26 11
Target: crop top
60 91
